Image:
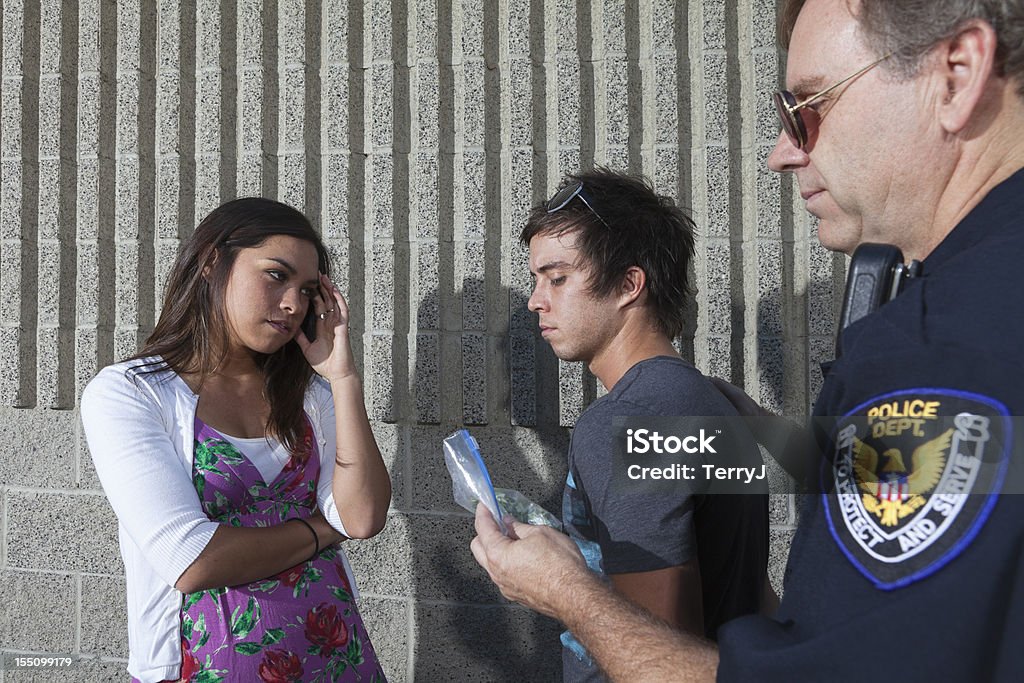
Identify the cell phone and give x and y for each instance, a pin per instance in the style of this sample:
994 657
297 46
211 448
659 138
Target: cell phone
309 323
877 275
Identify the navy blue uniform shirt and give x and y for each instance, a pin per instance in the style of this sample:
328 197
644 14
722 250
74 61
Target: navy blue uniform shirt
911 567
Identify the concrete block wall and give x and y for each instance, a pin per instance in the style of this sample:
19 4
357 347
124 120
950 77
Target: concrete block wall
415 134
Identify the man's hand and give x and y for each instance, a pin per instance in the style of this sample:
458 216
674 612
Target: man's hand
788 443
542 569
539 567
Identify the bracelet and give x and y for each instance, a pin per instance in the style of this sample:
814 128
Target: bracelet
316 539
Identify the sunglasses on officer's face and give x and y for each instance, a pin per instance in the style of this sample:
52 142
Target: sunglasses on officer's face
569 193
800 123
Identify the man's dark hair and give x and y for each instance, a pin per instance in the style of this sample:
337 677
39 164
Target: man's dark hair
628 224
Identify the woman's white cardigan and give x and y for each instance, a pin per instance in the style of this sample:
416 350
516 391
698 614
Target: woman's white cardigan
140 430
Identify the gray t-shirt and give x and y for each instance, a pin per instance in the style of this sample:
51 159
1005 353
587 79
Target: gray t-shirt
636 531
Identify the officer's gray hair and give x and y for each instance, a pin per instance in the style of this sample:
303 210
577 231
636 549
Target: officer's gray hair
909 29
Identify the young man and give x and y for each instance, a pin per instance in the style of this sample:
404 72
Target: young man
903 123
610 259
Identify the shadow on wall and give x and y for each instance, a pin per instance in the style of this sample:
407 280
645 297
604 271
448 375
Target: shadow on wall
770 351
795 334
464 629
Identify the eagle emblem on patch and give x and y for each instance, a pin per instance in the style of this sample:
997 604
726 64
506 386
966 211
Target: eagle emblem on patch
913 478
891 490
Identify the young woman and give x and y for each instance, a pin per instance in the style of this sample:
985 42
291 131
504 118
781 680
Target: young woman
236 453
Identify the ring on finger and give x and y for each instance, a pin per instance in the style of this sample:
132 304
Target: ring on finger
323 316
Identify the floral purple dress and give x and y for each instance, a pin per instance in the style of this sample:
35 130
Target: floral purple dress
300 625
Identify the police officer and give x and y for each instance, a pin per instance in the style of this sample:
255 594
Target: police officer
904 124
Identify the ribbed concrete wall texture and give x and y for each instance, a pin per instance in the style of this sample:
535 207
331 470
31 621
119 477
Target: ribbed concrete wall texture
415 134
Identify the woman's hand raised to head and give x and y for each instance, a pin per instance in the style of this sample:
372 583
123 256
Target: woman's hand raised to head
331 354
360 482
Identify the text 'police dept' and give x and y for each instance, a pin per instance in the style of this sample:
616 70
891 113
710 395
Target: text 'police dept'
642 441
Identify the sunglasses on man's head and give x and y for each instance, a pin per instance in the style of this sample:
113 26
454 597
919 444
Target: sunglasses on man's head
801 123
569 193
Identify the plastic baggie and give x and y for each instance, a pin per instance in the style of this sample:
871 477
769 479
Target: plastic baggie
470 481
515 504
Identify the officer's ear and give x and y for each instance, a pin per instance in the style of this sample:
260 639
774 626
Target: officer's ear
633 284
966 65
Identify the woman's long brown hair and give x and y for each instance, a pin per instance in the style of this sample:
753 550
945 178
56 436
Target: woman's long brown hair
191 335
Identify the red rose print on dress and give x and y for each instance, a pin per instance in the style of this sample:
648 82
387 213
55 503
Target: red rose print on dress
292 473
189 663
294 464
325 627
291 577
343 577
280 666
301 453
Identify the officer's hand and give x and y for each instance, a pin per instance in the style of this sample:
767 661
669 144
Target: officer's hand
538 567
745 406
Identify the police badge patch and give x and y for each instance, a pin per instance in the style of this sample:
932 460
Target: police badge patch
914 478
